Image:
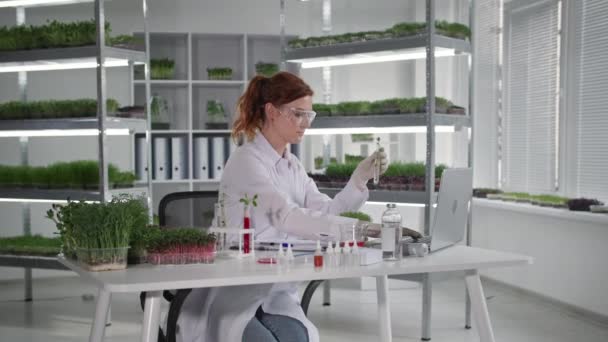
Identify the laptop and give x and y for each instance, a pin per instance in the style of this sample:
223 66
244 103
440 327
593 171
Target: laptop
449 225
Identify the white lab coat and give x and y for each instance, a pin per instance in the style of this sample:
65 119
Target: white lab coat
289 204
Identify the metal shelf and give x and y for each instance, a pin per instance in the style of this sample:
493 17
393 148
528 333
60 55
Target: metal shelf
389 120
206 181
69 55
164 83
378 46
71 124
218 83
211 131
171 181
412 197
63 194
40 3
31 261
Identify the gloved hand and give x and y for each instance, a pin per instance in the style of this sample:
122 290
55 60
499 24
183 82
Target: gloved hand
365 170
374 230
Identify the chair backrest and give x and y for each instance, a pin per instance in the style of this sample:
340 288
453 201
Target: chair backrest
187 209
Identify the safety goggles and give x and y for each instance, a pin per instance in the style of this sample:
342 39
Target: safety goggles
298 115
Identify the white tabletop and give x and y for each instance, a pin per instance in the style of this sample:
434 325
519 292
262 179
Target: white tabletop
227 272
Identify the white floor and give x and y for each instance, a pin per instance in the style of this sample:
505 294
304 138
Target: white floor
60 312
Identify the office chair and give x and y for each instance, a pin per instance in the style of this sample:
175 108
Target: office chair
194 209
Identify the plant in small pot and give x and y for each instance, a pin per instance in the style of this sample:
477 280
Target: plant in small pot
61 215
353 108
162 69
388 106
99 233
323 109
339 174
266 69
180 246
160 112
485 192
30 245
220 74
216 116
582 204
319 162
548 201
362 137
520 197
127 42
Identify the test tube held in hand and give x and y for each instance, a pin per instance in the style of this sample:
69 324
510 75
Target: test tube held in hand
377 163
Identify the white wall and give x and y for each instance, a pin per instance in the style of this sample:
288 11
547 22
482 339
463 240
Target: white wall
569 251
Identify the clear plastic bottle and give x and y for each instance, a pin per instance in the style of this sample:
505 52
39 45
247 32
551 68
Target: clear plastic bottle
391 233
329 255
346 253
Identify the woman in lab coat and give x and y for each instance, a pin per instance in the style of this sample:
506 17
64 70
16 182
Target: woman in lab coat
273 113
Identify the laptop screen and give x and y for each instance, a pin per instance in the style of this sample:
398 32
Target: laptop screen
452 209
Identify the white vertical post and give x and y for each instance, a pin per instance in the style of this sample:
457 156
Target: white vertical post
384 310
150 324
24 146
101 101
148 106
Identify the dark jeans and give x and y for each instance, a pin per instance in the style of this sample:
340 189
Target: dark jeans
265 327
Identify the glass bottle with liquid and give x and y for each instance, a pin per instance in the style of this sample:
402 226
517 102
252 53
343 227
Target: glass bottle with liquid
391 233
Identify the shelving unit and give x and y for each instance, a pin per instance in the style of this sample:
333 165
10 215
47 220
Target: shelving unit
389 120
189 91
426 46
99 57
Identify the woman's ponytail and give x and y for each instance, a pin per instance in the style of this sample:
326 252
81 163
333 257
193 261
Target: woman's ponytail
250 109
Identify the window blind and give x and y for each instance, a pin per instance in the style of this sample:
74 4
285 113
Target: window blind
591 99
486 91
531 83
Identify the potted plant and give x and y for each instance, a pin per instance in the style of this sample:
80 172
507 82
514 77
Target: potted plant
353 108
399 30
319 162
61 214
160 112
322 109
162 69
216 116
53 109
127 42
98 234
30 245
549 201
582 204
485 192
266 69
180 246
388 106
223 73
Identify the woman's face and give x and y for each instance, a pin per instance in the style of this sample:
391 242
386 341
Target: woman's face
292 119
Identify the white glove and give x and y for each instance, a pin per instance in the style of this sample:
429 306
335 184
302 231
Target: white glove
365 170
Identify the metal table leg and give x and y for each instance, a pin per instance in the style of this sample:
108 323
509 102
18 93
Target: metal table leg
102 307
427 297
479 306
326 293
